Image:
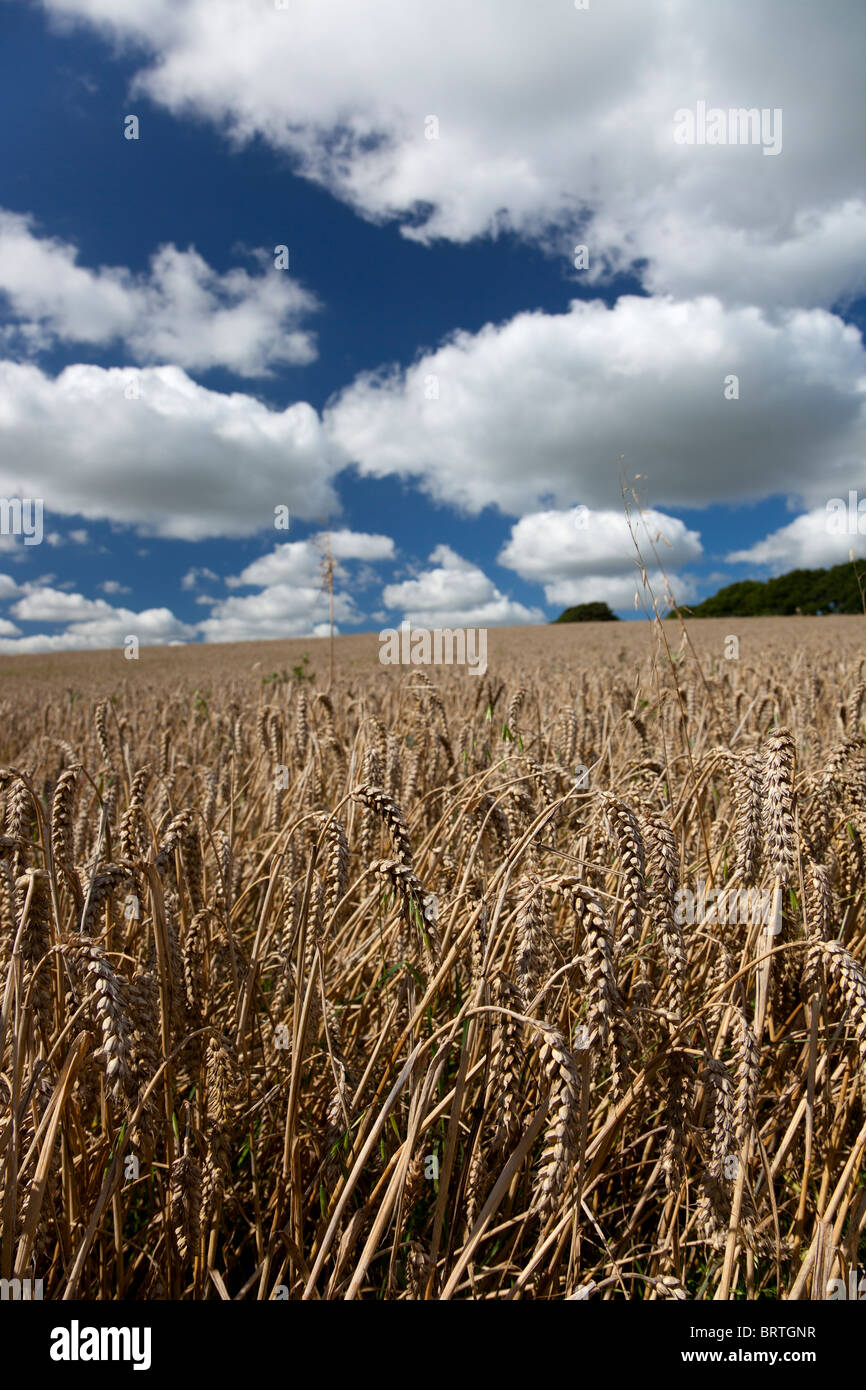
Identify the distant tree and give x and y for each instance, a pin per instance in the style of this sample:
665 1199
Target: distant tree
587 613
818 591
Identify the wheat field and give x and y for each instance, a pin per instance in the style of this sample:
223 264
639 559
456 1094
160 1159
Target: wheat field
433 986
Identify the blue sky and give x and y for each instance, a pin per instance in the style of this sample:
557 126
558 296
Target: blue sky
431 383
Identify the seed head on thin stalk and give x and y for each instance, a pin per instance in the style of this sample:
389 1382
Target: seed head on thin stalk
103 994
663 871
531 952
562 1077
677 1116
626 834
748 798
507 1066
850 981
34 912
386 808
714 1202
604 1002
779 835
747 1078
62 819
418 906
185 1181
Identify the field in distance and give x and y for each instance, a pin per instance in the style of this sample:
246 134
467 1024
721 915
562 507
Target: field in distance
557 648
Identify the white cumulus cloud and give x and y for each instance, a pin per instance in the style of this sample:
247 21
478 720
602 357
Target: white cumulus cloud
584 556
174 459
539 409
549 119
278 611
455 593
292 601
300 562
814 540
182 311
196 574
89 624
